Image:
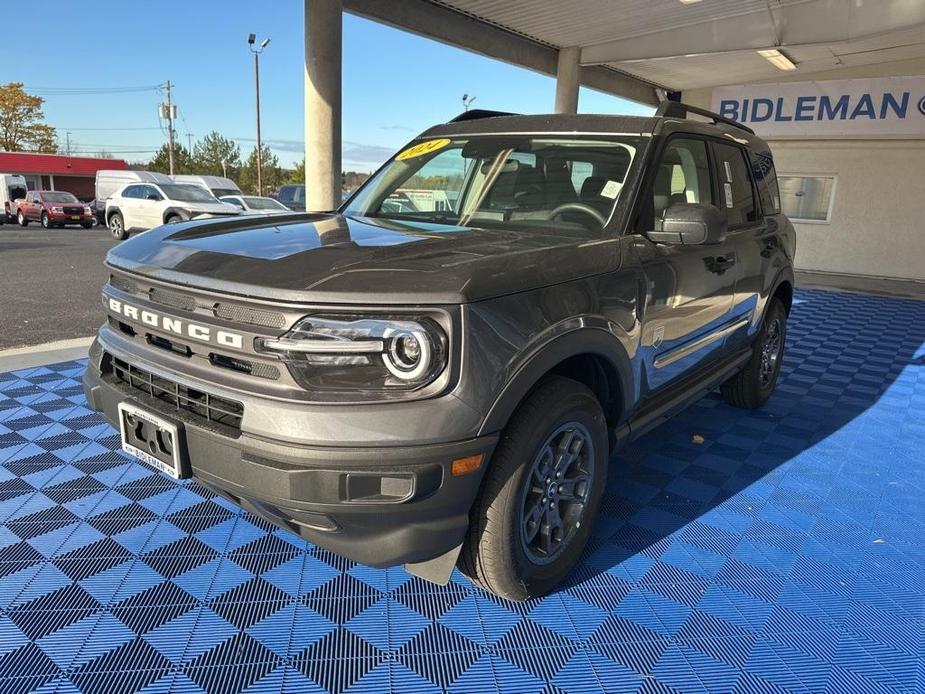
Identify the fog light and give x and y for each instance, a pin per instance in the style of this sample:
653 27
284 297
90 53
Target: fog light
471 463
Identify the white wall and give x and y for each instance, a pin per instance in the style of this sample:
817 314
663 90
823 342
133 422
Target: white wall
878 218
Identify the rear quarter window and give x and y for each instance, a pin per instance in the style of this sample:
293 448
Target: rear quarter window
765 177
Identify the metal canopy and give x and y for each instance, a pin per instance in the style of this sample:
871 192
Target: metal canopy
670 43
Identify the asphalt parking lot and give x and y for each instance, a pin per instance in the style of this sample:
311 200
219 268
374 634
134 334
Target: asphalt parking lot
50 283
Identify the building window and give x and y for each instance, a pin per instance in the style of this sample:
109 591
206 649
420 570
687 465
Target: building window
807 198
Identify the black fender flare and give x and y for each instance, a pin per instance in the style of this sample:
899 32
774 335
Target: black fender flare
110 212
178 211
597 341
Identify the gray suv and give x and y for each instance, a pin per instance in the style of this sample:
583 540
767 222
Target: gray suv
442 372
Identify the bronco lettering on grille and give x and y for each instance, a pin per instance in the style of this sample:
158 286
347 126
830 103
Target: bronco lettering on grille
177 326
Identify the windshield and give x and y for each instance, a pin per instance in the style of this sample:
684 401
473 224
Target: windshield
54 196
292 194
503 181
256 203
187 193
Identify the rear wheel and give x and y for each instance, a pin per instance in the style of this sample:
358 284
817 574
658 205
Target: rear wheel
753 385
117 226
173 219
541 493
21 218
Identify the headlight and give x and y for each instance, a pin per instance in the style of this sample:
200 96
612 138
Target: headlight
374 358
87 210
57 210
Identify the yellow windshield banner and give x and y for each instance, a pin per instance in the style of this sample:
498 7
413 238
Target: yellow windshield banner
422 148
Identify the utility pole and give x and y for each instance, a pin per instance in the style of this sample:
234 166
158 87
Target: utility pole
67 147
169 111
251 40
189 141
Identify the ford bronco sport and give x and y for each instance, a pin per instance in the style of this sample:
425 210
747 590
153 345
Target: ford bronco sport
439 372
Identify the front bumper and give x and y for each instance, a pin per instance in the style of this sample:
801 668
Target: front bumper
381 506
62 218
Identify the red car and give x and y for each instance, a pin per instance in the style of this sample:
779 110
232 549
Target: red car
53 208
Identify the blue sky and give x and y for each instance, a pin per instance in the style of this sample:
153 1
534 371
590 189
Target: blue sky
395 84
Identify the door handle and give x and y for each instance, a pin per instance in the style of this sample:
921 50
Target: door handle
720 263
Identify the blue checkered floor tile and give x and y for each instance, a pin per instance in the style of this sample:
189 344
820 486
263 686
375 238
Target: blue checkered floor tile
783 553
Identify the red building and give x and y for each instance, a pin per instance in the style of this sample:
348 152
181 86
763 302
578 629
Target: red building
58 171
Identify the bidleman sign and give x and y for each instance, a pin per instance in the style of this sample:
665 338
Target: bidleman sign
859 107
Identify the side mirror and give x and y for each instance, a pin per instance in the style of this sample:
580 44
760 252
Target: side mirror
691 223
154 196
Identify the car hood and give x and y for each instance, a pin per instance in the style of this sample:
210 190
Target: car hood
332 258
209 207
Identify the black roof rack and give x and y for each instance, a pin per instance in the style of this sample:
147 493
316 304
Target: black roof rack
477 113
675 109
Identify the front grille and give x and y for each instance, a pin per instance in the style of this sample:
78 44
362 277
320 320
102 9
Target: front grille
184 302
124 284
211 411
254 316
73 210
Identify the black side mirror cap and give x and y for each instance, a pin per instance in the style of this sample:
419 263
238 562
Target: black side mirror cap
691 223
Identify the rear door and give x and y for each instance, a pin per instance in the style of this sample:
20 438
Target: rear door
749 236
690 289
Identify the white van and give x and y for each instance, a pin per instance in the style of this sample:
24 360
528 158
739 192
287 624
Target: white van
12 187
217 185
108 181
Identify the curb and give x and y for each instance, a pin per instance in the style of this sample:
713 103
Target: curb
47 353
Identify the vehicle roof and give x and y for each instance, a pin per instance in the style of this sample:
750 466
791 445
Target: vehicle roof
547 123
597 124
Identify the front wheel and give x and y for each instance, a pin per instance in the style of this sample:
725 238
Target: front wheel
541 493
46 222
753 385
117 226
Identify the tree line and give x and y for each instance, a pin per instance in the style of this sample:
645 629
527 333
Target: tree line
22 129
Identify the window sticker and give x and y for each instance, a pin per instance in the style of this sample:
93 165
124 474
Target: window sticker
728 171
422 148
611 189
728 188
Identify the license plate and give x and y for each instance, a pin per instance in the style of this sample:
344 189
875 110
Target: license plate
152 439
75 216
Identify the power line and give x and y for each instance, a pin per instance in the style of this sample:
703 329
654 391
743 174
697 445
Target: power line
61 127
84 91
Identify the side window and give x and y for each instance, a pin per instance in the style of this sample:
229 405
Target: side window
683 176
736 192
766 181
130 192
151 190
580 172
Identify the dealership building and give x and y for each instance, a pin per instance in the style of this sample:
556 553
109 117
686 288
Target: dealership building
75 175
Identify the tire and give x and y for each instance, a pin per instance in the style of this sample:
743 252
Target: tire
46 222
173 219
753 385
86 225
498 553
117 226
21 218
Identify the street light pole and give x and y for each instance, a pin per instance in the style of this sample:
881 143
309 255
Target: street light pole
251 40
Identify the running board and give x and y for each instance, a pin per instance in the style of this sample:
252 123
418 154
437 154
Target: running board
664 406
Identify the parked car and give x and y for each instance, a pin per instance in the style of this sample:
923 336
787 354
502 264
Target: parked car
292 196
443 386
141 206
253 204
217 185
52 208
12 188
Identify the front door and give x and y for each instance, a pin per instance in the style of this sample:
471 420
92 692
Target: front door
690 289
